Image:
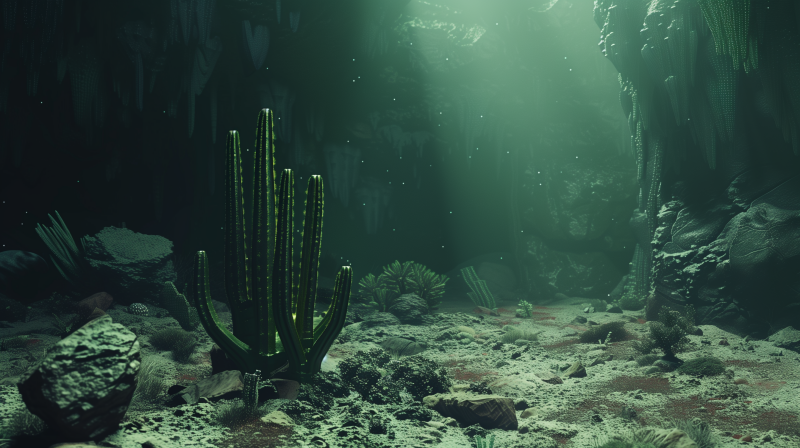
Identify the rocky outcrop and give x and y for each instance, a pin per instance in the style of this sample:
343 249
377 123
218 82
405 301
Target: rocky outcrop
84 385
718 213
133 266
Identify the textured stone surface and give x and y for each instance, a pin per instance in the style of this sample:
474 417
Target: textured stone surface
409 308
489 411
788 338
666 438
84 385
133 266
214 386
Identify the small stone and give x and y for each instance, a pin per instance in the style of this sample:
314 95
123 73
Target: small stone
576 370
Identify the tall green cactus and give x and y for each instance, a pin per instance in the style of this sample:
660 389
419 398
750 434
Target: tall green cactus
260 282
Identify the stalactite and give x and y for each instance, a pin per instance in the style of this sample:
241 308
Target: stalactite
213 106
342 162
278 97
722 84
395 136
255 41
185 14
9 15
294 20
137 38
205 59
315 123
729 21
278 10
419 138
704 130
373 198
85 74
204 12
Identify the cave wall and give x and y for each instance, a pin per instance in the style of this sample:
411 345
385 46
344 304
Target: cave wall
711 90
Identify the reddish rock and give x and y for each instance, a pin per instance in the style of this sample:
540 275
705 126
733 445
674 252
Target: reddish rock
102 300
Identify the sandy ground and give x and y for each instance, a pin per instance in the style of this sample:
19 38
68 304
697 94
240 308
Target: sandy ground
755 397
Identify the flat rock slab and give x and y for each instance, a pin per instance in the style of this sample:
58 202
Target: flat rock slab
489 411
214 386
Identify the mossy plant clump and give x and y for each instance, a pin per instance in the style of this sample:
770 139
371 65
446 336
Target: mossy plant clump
601 333
403 278
180 342
703 366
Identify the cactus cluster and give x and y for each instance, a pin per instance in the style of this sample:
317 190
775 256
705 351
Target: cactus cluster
269 295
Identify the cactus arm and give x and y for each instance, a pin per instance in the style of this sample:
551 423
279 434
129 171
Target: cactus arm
309 262
235 247
282 276
333 323
264 227
235 348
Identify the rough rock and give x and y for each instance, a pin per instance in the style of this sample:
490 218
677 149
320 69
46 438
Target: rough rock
787 338
278 418
550 377
576 370
85 383
409 309
665 438
402 346
489 411
133 266
212 387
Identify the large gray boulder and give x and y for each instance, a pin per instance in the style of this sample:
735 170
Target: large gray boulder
133 266
84 385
